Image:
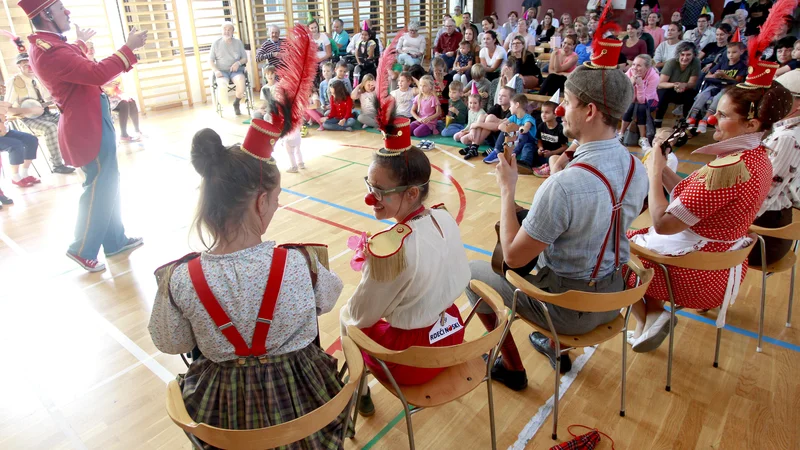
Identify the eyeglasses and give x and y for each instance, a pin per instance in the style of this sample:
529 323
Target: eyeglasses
380 193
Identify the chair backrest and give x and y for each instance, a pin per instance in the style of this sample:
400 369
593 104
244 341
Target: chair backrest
277 435
790 232
698 260
438 357
587 301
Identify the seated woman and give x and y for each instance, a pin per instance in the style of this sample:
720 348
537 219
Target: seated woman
411 47
678 80
712 208
265 368
120 102
562 63
545 30
367 53
645 81
521 30
492 55
784 154
413 272
526 63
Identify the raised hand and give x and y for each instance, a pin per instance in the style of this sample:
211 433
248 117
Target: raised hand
84 35
136 39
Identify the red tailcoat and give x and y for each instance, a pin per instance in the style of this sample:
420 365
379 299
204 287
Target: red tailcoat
74 82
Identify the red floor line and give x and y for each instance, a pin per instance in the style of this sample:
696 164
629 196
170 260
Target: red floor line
337 345
323 220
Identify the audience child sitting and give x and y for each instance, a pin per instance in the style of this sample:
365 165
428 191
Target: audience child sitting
438 72
550 138
475 112
426 109
645 97
404 95
340 117
314 113
464 61
327 75
727 72
525 149
261 109
341 75
482 84
456 117
365 94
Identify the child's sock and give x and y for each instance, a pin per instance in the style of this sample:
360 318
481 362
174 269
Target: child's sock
23 172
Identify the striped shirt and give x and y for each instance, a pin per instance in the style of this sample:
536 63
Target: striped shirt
269 51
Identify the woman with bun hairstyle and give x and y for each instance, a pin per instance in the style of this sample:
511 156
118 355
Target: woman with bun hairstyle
712 209
413 272
251 307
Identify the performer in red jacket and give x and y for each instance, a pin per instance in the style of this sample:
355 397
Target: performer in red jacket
85 133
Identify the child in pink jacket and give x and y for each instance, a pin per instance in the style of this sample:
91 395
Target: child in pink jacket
645 82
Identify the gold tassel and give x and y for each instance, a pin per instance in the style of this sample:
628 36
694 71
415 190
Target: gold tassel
320 254
724 172
388 268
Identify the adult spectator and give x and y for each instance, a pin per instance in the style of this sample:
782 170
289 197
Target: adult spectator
703 34
741 21
566 23
522 30
488 24
632 46
367 53
676 17
552 13
411 47
271 48
526 63
643 11
227 58
546 30
758 15
580 24
492 55
447 46
442 29
691 12
733 6
562 63
678 81
510 26
323 42
783 50
666 50
653 28
25 85
644 79
498 26
467 23
21 148
717 49
648 40
339 38
457 16
769 53
474 42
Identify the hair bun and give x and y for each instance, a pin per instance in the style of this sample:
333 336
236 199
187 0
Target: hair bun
207 151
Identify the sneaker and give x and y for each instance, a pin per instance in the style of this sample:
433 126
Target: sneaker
492 157
542 345
523 168
62 169
542 171
90 265
472 152
131 244
32 180
691 120
292 169
644 144
365 406
236 109
516 380
702 127
130 138
23 183
5 200
464 150
349 129
302 166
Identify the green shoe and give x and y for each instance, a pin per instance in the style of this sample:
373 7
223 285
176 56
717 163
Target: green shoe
365 406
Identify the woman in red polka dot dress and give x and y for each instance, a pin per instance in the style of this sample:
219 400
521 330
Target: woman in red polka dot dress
712 208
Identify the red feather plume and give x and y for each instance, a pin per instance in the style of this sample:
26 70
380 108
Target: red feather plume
296 76
16 39
385 101
768 31
602 26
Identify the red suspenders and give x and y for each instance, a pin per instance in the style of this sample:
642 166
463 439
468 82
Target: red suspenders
221 319
616 213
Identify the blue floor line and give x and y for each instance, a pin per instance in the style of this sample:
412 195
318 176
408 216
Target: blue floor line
742 331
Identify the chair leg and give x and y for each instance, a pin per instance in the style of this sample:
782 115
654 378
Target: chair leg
671 327
624 368
555 396
791 292
360 389
716 351
763 294
491 409
403 400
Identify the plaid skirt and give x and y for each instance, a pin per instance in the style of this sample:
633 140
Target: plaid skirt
254 395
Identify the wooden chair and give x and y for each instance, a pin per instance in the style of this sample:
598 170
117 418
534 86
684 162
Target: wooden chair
694 261
276 435
589 302
466 368
789 261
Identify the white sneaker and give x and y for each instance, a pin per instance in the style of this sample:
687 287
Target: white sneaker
702 127
644 144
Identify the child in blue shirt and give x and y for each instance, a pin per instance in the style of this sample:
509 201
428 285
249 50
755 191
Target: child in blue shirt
525 148
327 75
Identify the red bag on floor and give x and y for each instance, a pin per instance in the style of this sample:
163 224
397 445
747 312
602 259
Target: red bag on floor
586 441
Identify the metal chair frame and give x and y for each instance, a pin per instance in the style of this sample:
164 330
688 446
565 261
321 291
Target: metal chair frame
248 91
408 409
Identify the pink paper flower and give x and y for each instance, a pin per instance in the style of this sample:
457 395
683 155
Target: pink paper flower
357 244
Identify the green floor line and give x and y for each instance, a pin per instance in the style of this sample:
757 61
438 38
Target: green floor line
321 175
477 191
383 431
347 160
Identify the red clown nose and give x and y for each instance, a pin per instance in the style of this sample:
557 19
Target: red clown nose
560 111
712 121
370 199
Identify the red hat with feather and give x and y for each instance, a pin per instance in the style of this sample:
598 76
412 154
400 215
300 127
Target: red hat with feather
292 95
605 52
396 130
760 73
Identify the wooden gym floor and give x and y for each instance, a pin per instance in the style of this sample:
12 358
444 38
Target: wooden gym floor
80 370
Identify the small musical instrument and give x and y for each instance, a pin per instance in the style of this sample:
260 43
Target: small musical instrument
30 102
498 265
512 133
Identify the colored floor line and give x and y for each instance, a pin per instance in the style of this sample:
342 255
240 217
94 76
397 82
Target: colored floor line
462 198
322 219
383 431
321 175
737 330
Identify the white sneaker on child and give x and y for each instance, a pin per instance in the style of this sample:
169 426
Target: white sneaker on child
644 144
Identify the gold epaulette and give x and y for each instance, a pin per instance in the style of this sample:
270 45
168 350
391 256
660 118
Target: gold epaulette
316 253
20 88
44 45
725 172
164 273
386 254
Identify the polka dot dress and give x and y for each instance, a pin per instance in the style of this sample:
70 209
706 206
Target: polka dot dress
725 214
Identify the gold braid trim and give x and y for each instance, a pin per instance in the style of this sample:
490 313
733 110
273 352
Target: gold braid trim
124 59
725 172
270 160
388 268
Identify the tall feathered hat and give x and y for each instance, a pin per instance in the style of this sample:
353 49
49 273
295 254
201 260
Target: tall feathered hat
23 52
605 52
396 130
291 97
761 73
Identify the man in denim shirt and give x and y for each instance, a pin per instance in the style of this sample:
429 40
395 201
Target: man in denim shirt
570 216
